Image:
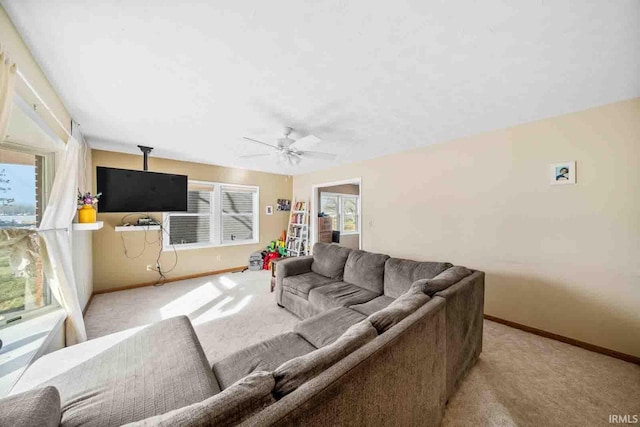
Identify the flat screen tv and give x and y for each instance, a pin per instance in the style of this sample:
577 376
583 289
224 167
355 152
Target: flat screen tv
126 190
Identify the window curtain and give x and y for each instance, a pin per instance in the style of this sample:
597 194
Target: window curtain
56 239
7 82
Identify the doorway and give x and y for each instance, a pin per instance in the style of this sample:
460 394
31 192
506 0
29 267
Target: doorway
336 213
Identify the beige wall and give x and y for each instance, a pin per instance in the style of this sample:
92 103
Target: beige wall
340 189
19 53
565 259
113 269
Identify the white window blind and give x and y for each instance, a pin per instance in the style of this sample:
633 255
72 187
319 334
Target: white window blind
217 214
237 214
195 225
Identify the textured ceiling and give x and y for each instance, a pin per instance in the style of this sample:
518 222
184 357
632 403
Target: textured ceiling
191 78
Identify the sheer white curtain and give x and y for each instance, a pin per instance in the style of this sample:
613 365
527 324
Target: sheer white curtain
7 81
56 259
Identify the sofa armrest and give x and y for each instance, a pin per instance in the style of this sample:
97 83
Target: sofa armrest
465 315
291 267
36 407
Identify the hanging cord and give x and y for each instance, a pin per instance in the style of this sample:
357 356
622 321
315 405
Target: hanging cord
124 245
126 251
163 278
160 241
146 240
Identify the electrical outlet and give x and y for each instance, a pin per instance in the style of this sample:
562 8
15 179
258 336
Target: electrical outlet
150 267
219 258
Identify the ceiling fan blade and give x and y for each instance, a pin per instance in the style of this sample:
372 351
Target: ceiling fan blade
306 142
317 155
250 156
260 142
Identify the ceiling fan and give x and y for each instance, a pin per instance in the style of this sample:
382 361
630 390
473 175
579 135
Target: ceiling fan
291 150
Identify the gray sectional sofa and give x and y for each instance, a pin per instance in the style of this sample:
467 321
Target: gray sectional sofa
383 341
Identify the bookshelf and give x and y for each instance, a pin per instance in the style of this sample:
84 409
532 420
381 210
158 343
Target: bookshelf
298 229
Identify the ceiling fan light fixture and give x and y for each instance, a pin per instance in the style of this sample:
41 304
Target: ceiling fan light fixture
281 157
291 151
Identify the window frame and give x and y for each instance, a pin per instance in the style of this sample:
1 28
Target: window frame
49 160
340 197
216 214
356 198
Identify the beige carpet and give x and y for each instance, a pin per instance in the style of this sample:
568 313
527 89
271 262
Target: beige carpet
521 379
228 311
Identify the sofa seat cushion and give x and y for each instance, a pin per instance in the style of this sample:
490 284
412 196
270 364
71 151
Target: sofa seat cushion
299 306
37 407
366 270
158 369
370 307
442 281
325 328
302 284
227 408
264 356
395 312
399 274
339 294
292 374
329 260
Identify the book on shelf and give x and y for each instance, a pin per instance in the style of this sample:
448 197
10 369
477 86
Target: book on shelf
297 219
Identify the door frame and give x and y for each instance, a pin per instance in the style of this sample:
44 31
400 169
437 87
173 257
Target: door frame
315 204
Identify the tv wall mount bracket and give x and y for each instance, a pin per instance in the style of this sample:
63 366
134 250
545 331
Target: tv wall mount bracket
145 153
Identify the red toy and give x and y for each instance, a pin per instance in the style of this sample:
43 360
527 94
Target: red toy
268 258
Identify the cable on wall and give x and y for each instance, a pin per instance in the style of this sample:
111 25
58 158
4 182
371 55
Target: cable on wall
160 240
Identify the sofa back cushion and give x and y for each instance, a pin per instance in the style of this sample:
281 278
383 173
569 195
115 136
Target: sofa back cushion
442 281
37 407
399 274
227 408
402 307
292 374
329 260
263 356
366 270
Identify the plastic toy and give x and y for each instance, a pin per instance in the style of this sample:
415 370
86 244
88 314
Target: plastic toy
267 260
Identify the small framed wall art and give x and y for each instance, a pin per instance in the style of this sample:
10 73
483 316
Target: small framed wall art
284 205
562 173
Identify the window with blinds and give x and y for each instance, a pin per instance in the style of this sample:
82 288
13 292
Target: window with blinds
237 215
217 214
195 225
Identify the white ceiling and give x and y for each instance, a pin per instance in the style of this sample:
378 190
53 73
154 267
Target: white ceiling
368 77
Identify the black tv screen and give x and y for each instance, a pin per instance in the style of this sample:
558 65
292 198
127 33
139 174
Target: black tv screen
126 190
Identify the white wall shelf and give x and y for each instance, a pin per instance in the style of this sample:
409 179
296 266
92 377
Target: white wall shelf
87 226
120 228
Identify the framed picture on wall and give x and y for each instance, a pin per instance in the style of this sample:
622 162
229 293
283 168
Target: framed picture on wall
284 205
562 173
